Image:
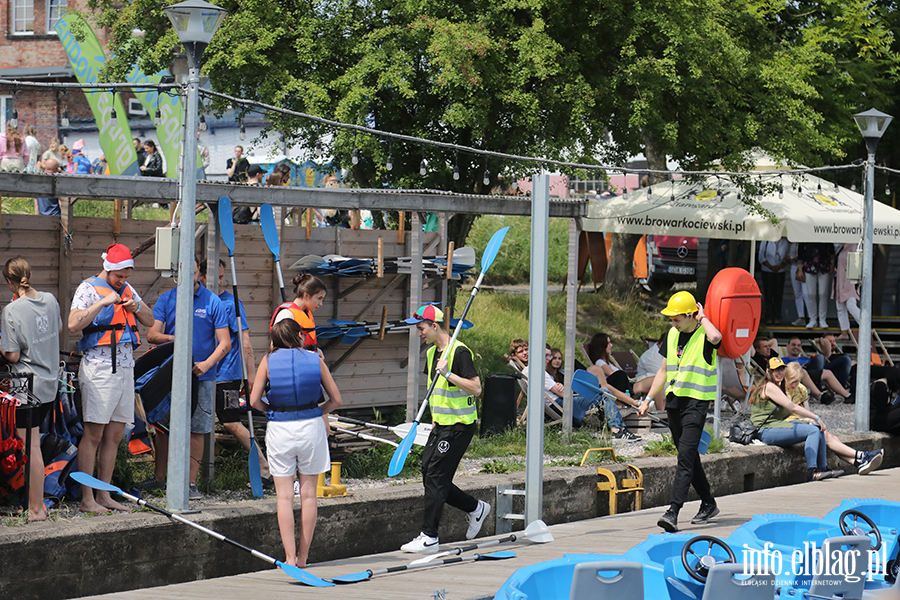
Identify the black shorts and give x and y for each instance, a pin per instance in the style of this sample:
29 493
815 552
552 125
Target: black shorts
816 376
36 413
225 411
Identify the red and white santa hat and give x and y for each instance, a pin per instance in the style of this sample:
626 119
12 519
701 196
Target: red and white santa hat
117 257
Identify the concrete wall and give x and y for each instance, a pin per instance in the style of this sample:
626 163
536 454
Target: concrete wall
99 555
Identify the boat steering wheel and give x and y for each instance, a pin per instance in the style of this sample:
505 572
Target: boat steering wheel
704 562
846 529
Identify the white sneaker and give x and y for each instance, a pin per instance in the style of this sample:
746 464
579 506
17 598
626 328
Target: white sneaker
798 322
476 519
296 487
823 324
424 544
811 325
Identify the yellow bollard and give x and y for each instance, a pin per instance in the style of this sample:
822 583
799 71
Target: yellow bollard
633 484
333 489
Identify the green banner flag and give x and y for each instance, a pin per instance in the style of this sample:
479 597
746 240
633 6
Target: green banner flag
170 127
87 59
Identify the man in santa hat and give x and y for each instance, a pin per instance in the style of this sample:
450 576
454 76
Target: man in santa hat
106 310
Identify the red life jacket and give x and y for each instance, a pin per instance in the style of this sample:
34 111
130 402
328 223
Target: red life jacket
303 318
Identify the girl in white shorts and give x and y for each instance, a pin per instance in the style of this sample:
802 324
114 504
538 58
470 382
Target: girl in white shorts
297 434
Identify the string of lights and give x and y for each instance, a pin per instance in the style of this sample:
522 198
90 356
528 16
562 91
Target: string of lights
168 87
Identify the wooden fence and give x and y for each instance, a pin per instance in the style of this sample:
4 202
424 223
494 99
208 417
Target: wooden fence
373 373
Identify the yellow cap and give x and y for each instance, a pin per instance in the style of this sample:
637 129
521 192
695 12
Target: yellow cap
775 363
681 303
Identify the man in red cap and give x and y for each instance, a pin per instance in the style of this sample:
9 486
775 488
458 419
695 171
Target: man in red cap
453 412
106 310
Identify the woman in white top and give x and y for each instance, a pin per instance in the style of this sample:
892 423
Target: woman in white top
599 352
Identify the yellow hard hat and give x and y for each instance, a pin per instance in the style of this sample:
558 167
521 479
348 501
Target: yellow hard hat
681 303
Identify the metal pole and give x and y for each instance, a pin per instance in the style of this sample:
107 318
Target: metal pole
415 301
537 340
863 356
180 430
571 313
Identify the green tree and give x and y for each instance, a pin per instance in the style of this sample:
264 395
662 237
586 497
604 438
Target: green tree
698 80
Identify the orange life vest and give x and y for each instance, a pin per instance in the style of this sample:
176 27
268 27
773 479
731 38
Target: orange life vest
303 318
110 320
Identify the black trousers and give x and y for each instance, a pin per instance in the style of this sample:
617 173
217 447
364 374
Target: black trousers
445 448
773 292
686 419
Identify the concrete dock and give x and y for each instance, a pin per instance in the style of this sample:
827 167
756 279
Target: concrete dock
471 580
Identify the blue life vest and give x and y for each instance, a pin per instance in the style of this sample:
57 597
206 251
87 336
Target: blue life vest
295 378
99 332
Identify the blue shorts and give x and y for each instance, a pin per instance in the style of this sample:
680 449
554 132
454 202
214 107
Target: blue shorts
202 419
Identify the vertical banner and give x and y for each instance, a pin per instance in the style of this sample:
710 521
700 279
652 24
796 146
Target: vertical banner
87 58
171 122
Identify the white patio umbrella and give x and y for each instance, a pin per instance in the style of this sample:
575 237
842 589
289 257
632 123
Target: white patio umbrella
807 209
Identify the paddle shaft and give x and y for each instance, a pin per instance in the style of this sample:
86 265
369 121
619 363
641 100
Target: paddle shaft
456 330
267 223
446 561
176 517
457 551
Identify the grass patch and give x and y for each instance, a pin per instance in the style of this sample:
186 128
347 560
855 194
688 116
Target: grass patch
666 447
512 264
373 463
500 318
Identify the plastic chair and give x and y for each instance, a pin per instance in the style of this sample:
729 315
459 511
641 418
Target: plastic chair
625 581
836 584
727 581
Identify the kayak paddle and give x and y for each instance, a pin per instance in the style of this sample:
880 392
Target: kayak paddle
490 253
295 572
368 574
270 233
537 532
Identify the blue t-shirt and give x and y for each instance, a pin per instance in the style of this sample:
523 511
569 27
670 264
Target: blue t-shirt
800 359
209 315
230 366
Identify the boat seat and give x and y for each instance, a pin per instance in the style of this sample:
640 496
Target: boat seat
836 585
608 579
727 580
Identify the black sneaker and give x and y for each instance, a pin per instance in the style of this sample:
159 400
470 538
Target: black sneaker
707 512
669 521
849 399
624 434
820 474
826 398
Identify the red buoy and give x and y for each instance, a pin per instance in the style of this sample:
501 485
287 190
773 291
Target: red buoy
734 305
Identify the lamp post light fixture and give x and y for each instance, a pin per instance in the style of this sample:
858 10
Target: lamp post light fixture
872 124
195 22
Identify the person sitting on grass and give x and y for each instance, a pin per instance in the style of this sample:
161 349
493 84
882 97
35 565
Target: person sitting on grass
864 461
581 405
770 409
599 352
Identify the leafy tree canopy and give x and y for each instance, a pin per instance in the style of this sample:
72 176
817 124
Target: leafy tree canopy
698 80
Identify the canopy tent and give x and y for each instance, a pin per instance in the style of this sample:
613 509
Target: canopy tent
807 208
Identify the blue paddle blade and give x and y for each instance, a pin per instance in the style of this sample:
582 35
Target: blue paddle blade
93 482
353 577
497 555
256 486
493 246
302 576
226 223
356 332
402 451
587 382
270 230
465 324
329 332
343 322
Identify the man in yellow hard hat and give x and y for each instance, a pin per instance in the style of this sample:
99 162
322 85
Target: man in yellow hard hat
689 375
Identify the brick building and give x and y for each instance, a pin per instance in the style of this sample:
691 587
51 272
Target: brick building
30 51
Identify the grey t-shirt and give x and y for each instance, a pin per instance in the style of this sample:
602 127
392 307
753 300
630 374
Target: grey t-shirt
31 327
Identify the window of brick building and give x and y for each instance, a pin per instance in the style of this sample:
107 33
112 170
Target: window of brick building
55 10
23 17
6 108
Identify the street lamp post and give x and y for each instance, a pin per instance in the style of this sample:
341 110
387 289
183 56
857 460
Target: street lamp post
872 124
195 22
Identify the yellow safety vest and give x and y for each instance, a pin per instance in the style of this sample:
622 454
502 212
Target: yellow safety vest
690 375
449 404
